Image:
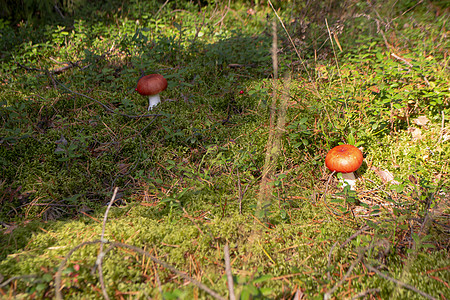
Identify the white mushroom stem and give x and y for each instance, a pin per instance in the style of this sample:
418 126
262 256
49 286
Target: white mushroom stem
349 179
153 100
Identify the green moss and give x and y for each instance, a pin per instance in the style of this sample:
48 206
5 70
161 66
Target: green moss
184 175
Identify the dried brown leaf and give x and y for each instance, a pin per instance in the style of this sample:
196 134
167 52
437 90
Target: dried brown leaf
385 175
421 121
416 133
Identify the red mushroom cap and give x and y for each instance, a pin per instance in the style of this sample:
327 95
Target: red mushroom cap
344 159
151 85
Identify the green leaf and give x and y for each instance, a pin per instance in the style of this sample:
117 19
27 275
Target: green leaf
47 277
262 278
41 286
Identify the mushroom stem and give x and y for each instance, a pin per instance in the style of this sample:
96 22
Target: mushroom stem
153 100
349 179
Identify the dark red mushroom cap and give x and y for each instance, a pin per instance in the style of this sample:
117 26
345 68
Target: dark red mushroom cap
344 159
151 85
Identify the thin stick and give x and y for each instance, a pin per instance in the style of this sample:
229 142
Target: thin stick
365 293
402 59
193 221
226 252
169 267
329 259
224 15
58 275
240 191
101 254
158 282
55 71
335 58
6 282
324 196
160 9
290 39
442 127
365 227
328 294
106 106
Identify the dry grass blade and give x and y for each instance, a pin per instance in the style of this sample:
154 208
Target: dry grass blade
265 188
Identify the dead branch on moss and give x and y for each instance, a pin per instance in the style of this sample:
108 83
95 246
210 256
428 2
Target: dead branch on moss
56 83
329 259
58 275
193 221
365 293
106 106
226 251
324 196
350 238
166 266
112 245
6 282
101 254
328 294
68 65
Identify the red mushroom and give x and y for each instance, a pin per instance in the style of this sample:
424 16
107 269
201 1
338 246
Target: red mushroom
345 159
151 85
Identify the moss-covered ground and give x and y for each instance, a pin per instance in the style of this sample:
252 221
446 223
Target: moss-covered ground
188 180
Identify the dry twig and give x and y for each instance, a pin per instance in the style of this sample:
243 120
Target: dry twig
113 245
365 293
328 294
226 251
101 254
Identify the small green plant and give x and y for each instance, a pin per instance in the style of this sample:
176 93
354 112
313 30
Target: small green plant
251 287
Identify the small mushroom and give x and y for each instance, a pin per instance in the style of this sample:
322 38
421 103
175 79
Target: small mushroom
345 159
151 85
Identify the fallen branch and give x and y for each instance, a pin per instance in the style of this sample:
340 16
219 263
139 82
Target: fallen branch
365 293
167 266
113 245
226 251
328 294
58 274
56 82
59 70
324 196
101 254
107 107
6 282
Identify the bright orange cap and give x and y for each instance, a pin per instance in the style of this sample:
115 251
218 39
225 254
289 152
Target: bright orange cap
344 159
